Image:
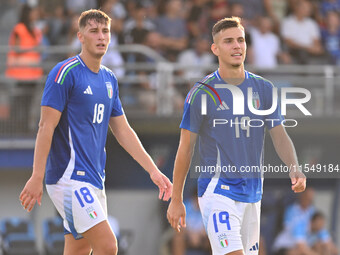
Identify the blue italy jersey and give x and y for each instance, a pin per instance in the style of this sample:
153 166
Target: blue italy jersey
230 134
86 100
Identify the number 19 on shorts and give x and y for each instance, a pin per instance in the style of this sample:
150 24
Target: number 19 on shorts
221 220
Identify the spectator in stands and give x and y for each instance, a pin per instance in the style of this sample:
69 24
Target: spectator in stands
301 34
199 56
58 25
76 7
137 27
252 8
266 45
154 40
24 65
43 25
219 9
151 10
330 35
192 240
318 237
173 29
198 20
118 10
148 79
297 217
23 59
237 10
276 10
329 5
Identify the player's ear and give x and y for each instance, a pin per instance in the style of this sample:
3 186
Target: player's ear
80 37
214 49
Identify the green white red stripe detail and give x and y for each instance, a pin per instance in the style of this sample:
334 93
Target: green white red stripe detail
64 69
194 90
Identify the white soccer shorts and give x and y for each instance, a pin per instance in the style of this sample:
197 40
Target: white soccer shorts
231 225
80 204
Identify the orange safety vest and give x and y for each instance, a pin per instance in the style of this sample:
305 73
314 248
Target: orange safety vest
24 65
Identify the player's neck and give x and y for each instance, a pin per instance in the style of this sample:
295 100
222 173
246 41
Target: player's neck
232 75
92 63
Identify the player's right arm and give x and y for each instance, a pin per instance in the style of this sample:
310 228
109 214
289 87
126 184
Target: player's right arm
33 189
176 210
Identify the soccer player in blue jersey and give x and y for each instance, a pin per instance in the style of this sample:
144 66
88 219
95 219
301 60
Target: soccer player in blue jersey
229 194
79 102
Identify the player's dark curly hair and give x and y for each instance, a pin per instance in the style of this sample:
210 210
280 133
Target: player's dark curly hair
93 14
226 23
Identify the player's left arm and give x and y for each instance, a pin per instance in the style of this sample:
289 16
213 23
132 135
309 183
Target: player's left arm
129 140
285 149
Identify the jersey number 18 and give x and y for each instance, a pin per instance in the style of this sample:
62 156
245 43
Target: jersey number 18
98 113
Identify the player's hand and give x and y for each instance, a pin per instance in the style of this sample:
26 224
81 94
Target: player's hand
31 193
298 180
163 183
176 215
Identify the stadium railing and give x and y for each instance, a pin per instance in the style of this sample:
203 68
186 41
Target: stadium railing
166 87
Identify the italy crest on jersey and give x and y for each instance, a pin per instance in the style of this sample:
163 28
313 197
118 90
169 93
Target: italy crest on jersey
109 89
256 100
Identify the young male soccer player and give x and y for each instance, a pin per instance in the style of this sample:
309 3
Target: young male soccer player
229 201
80 101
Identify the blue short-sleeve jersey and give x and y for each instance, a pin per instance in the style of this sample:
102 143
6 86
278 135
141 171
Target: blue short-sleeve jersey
86 101
228 137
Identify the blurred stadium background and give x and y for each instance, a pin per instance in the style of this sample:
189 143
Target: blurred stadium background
153 83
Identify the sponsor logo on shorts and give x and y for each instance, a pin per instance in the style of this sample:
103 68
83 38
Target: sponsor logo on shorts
91 212
223 240
255 247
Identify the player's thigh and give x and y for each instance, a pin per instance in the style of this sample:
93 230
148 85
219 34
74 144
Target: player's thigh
239 252
88 207
222 217
101 238
250 230
73 246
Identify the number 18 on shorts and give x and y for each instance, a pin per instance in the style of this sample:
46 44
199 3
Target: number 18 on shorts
81 205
